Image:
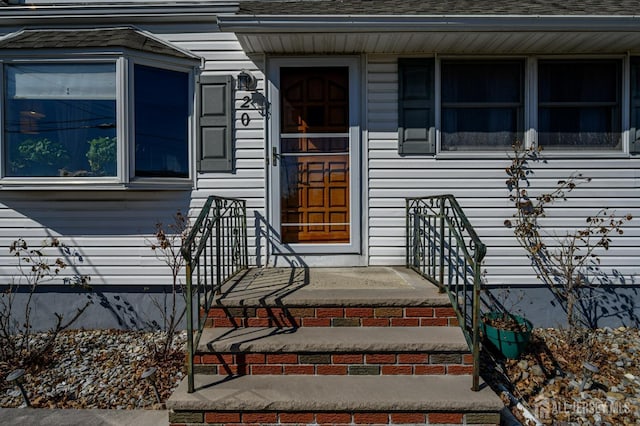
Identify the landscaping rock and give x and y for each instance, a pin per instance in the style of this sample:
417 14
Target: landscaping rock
610 396
98 369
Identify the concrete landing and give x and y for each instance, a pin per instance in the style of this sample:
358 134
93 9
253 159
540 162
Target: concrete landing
361 286
336 339
334 393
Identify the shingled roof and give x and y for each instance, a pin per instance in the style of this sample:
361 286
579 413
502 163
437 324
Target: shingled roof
442 7
124 37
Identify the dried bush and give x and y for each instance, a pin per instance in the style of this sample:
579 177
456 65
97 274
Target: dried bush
564 262
35 268
166 244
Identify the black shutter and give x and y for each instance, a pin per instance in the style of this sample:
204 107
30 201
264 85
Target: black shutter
215 124
416 107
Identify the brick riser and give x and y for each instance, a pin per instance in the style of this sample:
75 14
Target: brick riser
328 418
334 364
331 317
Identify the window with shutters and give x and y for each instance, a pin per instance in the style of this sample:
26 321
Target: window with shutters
120 118
485 105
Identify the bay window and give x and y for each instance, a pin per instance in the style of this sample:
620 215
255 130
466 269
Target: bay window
61 121
77 113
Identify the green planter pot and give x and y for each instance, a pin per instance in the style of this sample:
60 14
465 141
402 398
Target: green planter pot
510 343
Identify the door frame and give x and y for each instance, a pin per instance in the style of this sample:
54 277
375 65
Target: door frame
275 245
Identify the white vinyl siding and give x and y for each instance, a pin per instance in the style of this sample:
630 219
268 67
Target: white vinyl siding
479 186
111 229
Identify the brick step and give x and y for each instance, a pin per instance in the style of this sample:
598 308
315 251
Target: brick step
330 297
337 351
329 316
333 400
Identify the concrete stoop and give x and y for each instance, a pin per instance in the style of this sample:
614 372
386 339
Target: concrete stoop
303 347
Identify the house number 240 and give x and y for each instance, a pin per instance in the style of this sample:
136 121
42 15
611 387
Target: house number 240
246 104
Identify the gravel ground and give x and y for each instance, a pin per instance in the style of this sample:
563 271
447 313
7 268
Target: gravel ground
98 369
550 380
102 369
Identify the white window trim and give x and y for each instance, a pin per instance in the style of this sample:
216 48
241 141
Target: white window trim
124 60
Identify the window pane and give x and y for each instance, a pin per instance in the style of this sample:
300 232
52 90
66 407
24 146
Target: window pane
315 100
579 104
161 123
563 128
479 129
470 81
482 105
314 144
578 81
60 120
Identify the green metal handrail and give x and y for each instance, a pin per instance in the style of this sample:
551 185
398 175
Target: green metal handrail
214 251
443 247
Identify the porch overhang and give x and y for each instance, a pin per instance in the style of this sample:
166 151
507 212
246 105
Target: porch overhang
442 34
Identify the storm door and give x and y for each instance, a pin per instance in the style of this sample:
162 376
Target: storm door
312 159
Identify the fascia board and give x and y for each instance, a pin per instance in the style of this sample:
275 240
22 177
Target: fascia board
463 23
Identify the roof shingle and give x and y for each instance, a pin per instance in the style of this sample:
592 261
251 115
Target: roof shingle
126 37
442 7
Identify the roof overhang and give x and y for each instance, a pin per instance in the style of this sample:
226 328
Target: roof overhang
104 13
455 34
101 39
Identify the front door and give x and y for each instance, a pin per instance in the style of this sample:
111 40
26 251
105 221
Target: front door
314 168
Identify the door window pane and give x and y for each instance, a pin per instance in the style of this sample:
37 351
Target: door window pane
60 120
579 104
482 104
161 123
314 101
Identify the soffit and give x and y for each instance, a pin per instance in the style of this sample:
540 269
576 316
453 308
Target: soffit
443 43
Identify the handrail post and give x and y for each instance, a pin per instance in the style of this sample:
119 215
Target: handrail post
244 232
480 252
416 239
407 228
189 313
218 247
475 324
441 271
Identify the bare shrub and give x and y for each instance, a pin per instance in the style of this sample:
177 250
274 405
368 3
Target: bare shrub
35 268
565 261
166 245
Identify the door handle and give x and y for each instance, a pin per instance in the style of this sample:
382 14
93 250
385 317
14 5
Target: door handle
274 156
